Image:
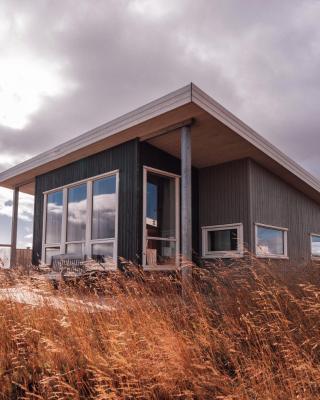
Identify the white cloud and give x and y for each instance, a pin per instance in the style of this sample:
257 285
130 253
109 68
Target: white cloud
152 8
26 78
26 204
25 82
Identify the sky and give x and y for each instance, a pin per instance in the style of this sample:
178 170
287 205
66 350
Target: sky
67 66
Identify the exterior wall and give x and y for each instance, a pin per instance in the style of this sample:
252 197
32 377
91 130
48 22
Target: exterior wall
274 202
237 191
224 197
124 158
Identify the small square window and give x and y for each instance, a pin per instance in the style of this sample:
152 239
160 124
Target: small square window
271 242
222 241
315 245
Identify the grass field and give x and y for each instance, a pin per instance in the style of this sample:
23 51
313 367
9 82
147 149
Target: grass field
238 333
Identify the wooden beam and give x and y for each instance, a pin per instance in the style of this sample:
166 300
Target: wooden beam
14 228
170 128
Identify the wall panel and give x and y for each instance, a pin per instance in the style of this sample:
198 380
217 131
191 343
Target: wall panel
275 202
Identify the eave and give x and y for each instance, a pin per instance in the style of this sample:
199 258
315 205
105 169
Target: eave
145 122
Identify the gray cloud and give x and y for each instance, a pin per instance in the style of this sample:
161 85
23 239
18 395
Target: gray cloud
259 59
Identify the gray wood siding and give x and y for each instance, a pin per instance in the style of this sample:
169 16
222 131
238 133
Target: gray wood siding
124 158
224 196
275 202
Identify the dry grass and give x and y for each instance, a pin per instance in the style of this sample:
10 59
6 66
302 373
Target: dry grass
239 333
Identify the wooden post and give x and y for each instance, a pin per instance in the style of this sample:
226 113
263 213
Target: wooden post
186 206
14 228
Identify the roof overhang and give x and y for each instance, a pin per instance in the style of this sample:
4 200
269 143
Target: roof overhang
217 136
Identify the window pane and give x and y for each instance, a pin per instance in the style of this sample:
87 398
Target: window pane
161 206
77 213
51 251
25 221
75 249
160 252
223 240
102 252
54 217
315 244
104 208
270 241
5 253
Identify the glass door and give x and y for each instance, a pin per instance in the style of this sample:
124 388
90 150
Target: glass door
161 220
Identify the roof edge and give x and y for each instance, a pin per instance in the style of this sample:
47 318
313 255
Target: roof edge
215 109
150 110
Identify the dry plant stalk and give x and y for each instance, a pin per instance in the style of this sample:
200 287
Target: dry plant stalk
240 332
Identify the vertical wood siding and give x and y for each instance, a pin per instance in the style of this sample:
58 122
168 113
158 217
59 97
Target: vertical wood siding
237 191
124 158
274 202
224 196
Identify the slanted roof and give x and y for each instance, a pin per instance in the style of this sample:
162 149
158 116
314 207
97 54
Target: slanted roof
217 136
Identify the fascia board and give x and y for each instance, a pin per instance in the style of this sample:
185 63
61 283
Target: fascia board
215 109
153 109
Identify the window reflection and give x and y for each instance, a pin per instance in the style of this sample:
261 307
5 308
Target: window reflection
161 207
160 224
75 248
50 252
102 252
5 253
223 240
54 217
104 208
270 241
315 245
77 213
74 213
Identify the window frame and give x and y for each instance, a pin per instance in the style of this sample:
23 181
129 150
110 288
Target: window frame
88 242
314 256
285 231
239 253
145 236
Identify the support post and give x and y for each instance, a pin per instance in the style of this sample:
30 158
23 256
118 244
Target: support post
14 228
186 206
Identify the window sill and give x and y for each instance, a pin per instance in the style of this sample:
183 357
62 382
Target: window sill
162 268
221 255
272 256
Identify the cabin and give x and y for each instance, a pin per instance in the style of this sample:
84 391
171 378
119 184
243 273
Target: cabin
180 177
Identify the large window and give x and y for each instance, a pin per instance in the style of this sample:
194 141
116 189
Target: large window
222 241
271 242
76 220
161 220
104 212
81 219
54 217
315 245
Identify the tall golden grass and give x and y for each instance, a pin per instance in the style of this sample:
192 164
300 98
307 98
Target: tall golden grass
238 332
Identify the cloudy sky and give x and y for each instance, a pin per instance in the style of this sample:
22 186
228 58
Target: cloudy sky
69 65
